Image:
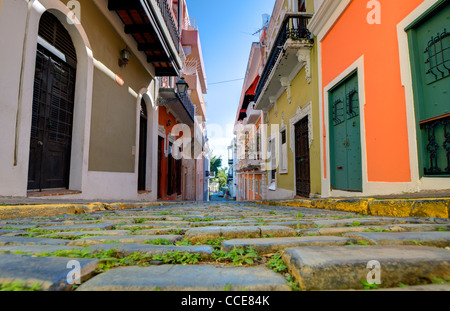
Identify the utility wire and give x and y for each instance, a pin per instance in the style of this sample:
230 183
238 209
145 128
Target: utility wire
222 82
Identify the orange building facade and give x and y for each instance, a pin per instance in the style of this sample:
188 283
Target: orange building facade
379 133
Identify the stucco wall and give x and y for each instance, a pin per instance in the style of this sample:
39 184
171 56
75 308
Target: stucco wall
114 107
302 93
385 111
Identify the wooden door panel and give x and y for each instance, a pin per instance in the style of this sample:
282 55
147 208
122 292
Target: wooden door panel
302 162
345 136
52 123
338 138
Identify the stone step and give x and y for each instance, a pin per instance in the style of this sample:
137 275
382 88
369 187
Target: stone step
187 278
75 234
89 241
355 222
389 228
81 227
49 272
344 267
437 239
149 226
162 231
126 249
234 232
37 249
20 240
273 245
12 232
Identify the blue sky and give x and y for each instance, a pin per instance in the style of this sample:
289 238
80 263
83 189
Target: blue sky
226 29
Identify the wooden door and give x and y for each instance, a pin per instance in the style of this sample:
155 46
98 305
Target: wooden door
345 136
52 123
429 43
302 168
160 155
143 128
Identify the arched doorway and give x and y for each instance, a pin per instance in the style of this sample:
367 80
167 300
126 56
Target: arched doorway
53 107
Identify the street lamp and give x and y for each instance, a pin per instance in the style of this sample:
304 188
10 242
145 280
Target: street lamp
182 87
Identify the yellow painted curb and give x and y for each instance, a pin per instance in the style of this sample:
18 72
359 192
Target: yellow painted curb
432 207
42 210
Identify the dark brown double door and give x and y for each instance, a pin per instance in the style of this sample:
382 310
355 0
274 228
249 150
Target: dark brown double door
52 123
302 168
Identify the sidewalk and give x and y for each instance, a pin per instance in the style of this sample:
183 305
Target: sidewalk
421 204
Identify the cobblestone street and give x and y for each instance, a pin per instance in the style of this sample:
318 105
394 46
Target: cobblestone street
224 246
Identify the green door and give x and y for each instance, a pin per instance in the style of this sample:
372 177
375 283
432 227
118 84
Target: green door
345 136
429 41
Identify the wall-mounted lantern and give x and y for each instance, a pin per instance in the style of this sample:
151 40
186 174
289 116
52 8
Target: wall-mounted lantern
125 55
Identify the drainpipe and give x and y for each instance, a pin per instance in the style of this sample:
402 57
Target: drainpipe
20 95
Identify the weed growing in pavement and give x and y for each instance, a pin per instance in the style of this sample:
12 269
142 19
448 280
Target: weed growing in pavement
292 283
184 242
437 280
200 219
159 242
139 220
238 256
33 232
276 263
178 257
260 221
137 228
108 258
368 286
19 286
354 224
299 215
267 236
176 231
216 243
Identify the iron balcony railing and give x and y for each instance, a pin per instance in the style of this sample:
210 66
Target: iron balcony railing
188 104
167 14
436 145
294 27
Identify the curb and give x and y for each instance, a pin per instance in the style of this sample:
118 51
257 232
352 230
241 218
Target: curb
43 210
430 207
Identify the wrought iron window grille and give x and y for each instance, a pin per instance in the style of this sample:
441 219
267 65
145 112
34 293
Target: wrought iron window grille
338 112
437 132
437 57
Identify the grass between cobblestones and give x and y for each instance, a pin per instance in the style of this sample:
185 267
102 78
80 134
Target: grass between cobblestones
110 259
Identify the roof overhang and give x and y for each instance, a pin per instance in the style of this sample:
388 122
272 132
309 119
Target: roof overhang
143 20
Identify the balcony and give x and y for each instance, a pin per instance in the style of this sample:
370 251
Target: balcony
290 52
253 115
153 27
436 146
180 105
249 165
